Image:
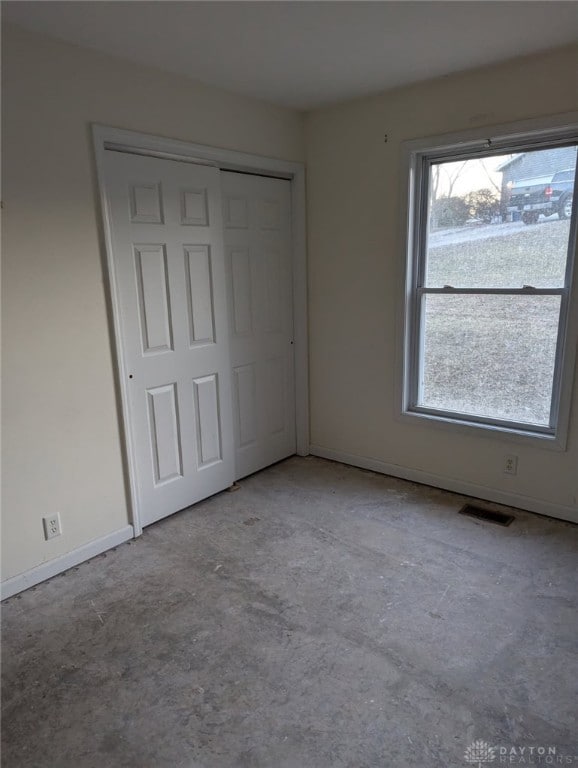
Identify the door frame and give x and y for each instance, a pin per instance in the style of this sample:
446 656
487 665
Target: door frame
133 142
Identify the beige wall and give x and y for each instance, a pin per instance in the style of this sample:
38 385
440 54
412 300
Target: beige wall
355 257
62 450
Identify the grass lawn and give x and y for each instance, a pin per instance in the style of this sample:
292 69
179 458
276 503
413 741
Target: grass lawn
494 355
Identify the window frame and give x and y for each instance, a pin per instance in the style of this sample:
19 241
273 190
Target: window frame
418 156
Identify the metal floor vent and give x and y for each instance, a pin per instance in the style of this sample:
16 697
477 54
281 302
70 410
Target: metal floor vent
489 515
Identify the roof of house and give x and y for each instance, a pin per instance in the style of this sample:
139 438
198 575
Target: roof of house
506 163
535 163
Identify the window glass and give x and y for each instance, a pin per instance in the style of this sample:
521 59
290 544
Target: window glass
490 356
490 225
489 295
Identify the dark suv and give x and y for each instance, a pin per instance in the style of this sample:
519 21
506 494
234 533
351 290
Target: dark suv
547 195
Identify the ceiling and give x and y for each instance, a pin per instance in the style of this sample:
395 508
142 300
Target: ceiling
306 54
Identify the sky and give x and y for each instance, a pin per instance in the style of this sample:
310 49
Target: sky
473 174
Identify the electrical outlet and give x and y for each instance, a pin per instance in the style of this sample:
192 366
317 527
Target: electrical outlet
52 526
511 464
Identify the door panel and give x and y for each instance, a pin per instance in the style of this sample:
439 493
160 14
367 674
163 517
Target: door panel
200 303
246 405
153 298
166 229
164 433
208 422
257 217
242 310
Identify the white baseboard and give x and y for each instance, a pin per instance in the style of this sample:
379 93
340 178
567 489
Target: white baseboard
59 564
451 484
64 562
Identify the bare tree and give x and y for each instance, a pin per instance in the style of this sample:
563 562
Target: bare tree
454 176
489 177
450 177
434 189
435 182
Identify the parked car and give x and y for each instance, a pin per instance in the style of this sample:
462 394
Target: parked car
545 195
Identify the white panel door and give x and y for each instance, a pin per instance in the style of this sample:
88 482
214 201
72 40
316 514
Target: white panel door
257 220
166 230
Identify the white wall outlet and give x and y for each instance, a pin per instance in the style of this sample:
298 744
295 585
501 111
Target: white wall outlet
511 464
52 527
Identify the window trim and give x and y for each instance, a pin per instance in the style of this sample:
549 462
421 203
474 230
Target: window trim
417 156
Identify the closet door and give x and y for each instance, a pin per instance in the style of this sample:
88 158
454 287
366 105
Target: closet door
257 233
166 230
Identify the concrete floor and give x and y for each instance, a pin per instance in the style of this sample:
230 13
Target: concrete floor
319 617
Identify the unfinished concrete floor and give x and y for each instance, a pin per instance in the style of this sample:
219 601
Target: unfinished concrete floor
320 616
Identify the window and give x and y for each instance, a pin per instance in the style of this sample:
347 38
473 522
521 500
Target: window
490 256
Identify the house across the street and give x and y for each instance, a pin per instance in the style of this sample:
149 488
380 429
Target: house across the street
530 165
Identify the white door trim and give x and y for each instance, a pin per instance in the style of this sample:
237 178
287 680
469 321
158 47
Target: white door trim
107 138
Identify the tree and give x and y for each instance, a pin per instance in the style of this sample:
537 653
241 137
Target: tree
435 182
489 177
483 204
447 181
434 188
450 212
453 176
